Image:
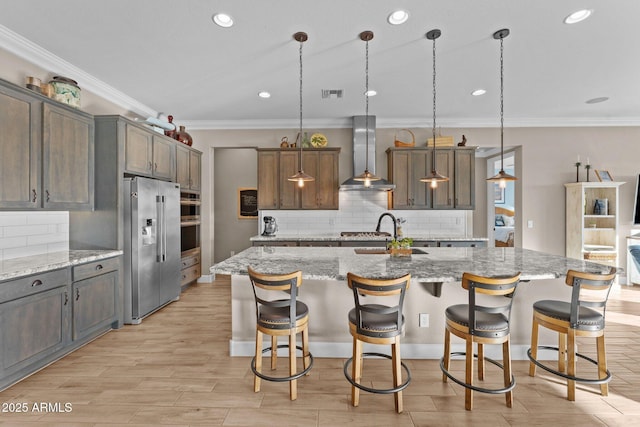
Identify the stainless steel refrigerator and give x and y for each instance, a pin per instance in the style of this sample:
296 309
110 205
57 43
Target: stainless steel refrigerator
151 246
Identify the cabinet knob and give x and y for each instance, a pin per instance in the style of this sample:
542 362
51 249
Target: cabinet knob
77 294
36 282
155 166
47 194
66 297
150 165
35 195
99 267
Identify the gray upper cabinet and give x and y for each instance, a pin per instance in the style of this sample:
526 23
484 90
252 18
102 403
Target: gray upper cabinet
138 151
67 162
408 165
46 153
275 166
188 167
20 142
163 157
464 183
148 154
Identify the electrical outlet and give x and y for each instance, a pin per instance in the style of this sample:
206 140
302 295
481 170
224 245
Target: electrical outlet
232 253
423 320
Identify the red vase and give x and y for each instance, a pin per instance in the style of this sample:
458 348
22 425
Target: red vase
184 137
171 133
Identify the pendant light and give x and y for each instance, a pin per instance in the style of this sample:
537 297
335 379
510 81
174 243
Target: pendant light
501 177
434 177
366 176
300 177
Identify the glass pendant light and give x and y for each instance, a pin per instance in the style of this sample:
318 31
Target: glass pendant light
366 176
501 177
434 177
300 177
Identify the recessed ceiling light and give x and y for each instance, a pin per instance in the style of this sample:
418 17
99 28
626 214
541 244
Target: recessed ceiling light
370 92
597 100
223 20
577 16
264 94
398 17
478 92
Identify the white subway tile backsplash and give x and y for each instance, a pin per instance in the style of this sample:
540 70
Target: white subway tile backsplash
33 233
359 211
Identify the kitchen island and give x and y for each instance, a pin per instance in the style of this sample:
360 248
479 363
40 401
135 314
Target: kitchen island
435 285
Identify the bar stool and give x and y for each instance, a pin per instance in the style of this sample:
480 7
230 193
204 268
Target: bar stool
280 317
377 324
582 317
481 324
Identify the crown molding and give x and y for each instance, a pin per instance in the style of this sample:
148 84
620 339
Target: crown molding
386 123
41 57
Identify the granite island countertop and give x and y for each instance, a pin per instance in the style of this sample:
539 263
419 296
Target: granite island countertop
336 237
438 265
24 266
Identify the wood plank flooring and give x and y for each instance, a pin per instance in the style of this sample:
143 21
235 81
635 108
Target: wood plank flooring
174 370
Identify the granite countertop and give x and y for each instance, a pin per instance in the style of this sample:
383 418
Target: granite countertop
437 265
337 237
25 266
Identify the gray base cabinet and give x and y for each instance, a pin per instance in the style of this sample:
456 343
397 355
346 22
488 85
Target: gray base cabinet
45 316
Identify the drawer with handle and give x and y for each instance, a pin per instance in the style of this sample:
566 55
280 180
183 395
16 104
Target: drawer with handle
33 284
190 274
190 260
95 268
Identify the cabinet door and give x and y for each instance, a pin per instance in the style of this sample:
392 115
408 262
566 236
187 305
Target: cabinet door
419 191
443 195
67 162
399 166
163 158
20 142
33 328
94 304
464 179
327 181
182 167
138 156
268 176
323 192
289 192
311 191
195 169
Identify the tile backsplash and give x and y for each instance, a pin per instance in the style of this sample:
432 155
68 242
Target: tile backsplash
359 211
33 233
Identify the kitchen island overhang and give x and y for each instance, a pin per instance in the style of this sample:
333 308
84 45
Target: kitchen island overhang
325 291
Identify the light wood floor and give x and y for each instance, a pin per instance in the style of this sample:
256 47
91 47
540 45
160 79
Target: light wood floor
174 369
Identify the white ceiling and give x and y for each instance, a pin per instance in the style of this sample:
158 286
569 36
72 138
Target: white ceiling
168 56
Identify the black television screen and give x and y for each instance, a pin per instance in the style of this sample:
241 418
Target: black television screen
636 203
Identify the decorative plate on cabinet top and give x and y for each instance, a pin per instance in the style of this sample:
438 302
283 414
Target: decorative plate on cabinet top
318 140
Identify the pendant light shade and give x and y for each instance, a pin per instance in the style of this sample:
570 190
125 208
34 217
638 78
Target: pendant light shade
366 176
434 177
300 177
501 177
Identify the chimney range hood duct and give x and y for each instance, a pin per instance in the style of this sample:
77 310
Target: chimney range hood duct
360 130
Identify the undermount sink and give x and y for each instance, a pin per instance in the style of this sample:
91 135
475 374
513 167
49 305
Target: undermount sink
382 251
365 234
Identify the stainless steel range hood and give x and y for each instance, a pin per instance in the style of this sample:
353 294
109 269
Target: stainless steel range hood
360 130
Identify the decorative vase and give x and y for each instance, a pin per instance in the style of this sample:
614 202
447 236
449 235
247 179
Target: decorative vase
66 90
171 133
184 137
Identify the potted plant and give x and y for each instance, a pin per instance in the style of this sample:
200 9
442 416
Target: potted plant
401 247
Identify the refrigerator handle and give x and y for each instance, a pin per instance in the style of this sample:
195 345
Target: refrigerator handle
161 230
164 228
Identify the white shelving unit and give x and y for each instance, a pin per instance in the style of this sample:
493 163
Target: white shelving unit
591 235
